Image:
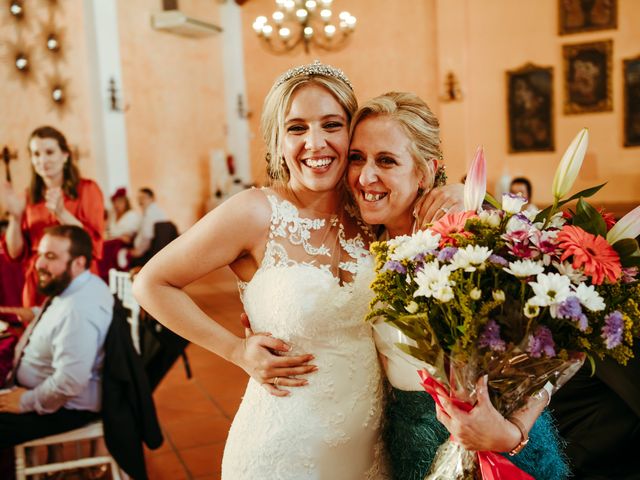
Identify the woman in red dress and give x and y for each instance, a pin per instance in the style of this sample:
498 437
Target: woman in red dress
57 195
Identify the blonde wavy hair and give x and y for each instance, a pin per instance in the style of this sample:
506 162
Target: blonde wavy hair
417 120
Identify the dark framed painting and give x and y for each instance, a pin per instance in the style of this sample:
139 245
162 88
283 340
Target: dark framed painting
530 109
575 16
587 77
631 75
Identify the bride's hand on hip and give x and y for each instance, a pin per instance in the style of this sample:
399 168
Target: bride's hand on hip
260 358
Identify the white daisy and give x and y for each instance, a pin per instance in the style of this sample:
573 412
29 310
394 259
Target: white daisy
524 268
565 268
550 289
470 258
589 298
431 279
423 241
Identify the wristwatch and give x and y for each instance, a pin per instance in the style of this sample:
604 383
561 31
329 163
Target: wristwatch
524 437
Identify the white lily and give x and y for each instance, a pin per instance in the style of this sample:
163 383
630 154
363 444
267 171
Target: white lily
627 227
570 165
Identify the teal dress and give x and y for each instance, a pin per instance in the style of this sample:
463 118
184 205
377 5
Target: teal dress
413 435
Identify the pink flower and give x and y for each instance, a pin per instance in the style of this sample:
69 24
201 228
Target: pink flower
452 223
593 253
475 187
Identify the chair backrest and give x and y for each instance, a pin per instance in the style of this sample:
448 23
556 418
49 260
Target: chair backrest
163 234
121 286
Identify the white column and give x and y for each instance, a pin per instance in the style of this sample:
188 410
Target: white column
109 129
238 134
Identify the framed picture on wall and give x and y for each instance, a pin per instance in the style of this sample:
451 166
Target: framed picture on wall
587 77
530 109
631 75
576 16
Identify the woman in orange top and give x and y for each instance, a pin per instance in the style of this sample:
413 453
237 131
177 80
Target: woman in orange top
57 195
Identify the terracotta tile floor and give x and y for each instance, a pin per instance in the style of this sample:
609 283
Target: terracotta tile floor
195 414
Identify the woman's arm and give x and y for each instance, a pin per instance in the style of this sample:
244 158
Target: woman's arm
484 428
236 229
437 202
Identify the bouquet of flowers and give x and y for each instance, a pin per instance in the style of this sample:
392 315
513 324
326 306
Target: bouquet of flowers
523 297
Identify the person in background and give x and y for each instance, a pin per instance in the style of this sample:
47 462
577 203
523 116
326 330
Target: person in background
151 214
522 186
124 222
57 196
56 384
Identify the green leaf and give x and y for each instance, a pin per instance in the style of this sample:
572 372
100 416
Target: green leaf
589 219
632 261
588 192
626 247
592 362
494 203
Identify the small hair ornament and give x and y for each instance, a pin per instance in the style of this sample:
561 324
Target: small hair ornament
315 68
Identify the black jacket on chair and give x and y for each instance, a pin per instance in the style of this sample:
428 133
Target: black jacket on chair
128 412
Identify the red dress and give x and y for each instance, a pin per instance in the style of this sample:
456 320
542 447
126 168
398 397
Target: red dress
88 208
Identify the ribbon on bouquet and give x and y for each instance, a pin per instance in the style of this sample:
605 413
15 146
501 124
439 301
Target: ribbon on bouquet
493 466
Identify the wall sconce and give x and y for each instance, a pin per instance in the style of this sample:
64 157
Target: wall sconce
243 112
115 104
16 9
7 156
452 92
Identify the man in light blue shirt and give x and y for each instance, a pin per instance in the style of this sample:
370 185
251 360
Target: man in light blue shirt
58 361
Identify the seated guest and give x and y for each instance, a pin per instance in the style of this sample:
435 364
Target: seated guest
55 385
151 214
522 186
124 222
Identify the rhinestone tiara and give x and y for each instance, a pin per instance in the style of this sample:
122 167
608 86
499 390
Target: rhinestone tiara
315 68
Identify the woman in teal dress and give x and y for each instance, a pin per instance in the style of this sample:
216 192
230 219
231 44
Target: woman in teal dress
393 157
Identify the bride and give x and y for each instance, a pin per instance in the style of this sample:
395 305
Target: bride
304 270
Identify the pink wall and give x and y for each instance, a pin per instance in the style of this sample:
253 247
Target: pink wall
176 115
26 104
392 48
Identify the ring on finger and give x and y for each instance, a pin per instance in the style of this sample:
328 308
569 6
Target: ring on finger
444 210
276 380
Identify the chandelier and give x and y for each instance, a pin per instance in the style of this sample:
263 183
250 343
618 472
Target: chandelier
306 22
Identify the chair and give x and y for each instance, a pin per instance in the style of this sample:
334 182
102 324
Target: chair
121 285
91 431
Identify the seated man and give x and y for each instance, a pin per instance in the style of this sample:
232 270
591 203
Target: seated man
151 214
55 385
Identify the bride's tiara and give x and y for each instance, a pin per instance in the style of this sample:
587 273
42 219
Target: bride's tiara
315 68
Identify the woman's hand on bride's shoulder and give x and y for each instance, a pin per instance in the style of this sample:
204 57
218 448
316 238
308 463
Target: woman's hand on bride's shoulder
262 357
437 202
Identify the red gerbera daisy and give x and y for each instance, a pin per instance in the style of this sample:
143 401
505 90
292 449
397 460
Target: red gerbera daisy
593 252
608 218
452 223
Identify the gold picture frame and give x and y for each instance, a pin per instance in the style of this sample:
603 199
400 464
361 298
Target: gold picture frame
575 16
587 77
530 109
631 88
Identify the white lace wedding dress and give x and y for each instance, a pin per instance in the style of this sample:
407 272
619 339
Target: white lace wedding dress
330 428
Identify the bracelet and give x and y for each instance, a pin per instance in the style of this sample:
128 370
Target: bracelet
524 437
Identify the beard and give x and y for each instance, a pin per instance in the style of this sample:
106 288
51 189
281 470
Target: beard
54 285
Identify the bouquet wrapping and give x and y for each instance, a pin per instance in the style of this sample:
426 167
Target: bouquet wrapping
523 297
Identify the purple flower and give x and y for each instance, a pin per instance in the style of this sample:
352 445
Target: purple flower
490 337
541 342
572 309
613 329
498 260
446 254
394 266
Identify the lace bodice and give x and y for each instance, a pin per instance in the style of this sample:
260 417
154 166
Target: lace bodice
303 295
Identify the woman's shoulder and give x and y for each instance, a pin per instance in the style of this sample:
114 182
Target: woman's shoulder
86 184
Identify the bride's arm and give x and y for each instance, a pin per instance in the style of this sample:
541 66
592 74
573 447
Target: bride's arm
237 228
484 428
